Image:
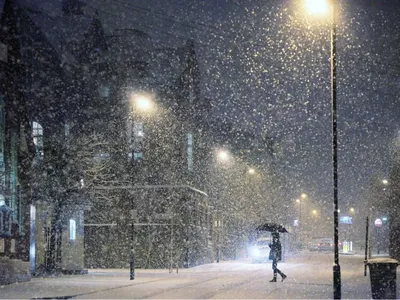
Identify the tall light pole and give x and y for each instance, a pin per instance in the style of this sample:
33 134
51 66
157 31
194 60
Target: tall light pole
142 103
337 285
321 7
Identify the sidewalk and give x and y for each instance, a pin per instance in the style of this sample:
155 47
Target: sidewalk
309 276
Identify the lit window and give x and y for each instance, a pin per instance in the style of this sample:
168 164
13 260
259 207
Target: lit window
138 137
72 230
37 132
104 91
138 130
67 129
190 151
137 155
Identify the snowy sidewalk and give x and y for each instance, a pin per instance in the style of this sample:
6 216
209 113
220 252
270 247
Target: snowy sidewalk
309 276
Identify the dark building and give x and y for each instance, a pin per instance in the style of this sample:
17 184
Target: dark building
74 99
162 143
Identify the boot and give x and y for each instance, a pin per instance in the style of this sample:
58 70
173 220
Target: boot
273 280
283 277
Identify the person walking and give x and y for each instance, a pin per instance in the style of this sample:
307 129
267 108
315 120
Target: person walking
275 254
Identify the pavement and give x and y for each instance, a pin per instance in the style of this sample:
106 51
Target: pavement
309 277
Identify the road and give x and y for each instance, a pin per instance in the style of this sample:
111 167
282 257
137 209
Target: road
309 277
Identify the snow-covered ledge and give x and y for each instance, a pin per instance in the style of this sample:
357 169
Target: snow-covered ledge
382 260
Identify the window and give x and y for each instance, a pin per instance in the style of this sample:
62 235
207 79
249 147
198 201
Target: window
72 230
190 151
137 155
67 129
138 131
104 91
138 137
37 131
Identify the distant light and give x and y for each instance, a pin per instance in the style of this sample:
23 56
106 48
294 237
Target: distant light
298 200
314 212
384 219
82 182
32 239
385 181
252 171
378 222
303 196
352 209
223 155
72 230
143 102
317 7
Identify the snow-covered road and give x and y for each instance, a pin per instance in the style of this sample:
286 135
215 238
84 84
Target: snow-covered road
309 276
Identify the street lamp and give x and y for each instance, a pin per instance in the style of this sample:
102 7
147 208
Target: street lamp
300 221
319 7
299 202
303 196
218 227
251 171
142 102
385 181
223 155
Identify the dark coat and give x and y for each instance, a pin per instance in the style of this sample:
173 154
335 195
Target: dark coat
276 251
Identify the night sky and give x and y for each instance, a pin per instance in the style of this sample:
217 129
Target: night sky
265 65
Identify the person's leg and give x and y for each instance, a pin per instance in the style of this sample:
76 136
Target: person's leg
274 265
280 272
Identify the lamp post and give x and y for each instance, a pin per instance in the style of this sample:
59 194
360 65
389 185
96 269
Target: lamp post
142 104
218 226
320 6
299 202
132 242
223 157
337 286
303 196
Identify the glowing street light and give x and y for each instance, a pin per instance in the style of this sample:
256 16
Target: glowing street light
352 210
317 7
251 171
314 212
385 181
303 196
143 102
223 155
298 201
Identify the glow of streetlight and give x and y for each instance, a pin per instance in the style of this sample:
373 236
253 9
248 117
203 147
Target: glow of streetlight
223 155
303 196
298 200
317 7
143 102
252 171
385 181
352 210
314 212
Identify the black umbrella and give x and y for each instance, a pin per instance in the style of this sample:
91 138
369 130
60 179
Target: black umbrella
272 227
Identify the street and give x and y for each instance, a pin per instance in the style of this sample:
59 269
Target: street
309 277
